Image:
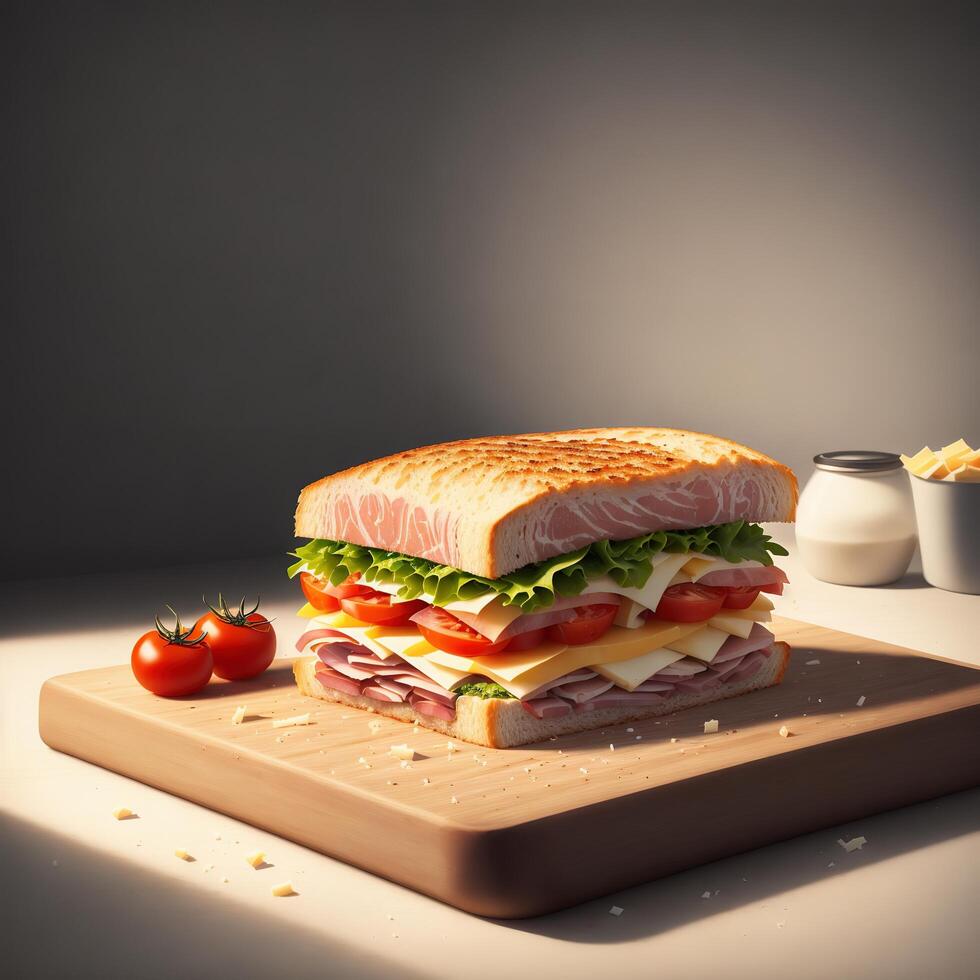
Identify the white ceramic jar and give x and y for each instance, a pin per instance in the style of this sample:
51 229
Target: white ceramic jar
855 524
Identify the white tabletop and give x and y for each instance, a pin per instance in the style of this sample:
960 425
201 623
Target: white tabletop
93 896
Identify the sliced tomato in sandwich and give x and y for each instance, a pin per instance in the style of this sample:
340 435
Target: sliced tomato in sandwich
315 590
590 623
451 635
690 602
741 598
380 608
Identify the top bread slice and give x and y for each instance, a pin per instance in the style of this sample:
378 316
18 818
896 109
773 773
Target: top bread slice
494 504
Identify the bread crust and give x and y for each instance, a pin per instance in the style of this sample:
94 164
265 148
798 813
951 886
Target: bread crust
498 723
492 505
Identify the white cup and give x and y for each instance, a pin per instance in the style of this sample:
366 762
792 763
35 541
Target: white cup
948 517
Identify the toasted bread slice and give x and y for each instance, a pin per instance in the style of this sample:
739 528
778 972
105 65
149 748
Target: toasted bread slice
492 505
502 723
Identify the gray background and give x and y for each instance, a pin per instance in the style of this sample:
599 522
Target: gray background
243 246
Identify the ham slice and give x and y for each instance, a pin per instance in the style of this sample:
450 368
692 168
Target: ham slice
330 678
432 709
581 691
737 646
741 576
654 686
310 635
402 690
547 707
748 667
379 693
617 698
679 669
703 682
572 678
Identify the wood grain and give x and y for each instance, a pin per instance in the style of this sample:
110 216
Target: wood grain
517 832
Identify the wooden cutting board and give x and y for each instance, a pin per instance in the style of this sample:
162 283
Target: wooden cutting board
523 831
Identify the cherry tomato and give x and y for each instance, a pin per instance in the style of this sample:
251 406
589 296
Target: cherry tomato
451 635
243 644
589 624
316 595
528 640
690 603
740 597
378 607
172 663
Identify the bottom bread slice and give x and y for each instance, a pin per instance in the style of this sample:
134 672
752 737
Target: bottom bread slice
502 723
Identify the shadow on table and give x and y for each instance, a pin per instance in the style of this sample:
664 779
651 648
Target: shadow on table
92 915
756 876
820 681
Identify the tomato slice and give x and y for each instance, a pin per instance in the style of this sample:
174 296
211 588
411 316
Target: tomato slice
314 590
773 588
690 603
347 588
527 641
377 607
589 624
451 635
740 597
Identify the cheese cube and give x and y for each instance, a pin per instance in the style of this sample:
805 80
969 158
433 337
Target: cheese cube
295 720
182 854
122 812
239 716
257 859
404 752
710 727
284 890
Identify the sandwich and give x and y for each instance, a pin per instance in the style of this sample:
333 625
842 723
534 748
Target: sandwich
511 589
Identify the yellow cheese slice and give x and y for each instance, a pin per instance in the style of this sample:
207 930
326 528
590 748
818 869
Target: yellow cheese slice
308 612
630 674
447 677
367 635
963 474
524 672
703 643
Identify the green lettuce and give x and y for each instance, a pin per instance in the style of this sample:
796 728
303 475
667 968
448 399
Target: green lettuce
533 587
484 689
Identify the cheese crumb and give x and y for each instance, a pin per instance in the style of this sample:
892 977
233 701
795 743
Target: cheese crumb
182 854
122 812
813 663
706 894
452 799
630 730
673 741
256 859
450 746
583 771
710 727
239 716
612 748
860 701
374 725
404 751
615 910
284 890
295 720
425 780
785 732
855 844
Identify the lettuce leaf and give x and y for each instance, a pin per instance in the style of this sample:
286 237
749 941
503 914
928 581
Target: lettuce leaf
535 586
483 689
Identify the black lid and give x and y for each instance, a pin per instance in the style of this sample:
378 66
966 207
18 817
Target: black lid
858 461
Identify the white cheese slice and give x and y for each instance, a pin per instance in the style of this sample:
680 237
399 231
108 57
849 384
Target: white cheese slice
652 592
630 674
629 615
445 676
735 625
703 644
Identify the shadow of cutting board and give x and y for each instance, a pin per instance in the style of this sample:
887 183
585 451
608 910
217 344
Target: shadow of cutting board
523 831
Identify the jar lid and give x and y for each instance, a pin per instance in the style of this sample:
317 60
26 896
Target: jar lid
858 461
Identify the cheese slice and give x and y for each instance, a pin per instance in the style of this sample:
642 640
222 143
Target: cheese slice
652 592
703 644
630 674
629 615
526 671
367 635
447 677
735 625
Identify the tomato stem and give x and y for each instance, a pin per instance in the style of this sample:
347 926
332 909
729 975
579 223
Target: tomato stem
178 636
237 618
